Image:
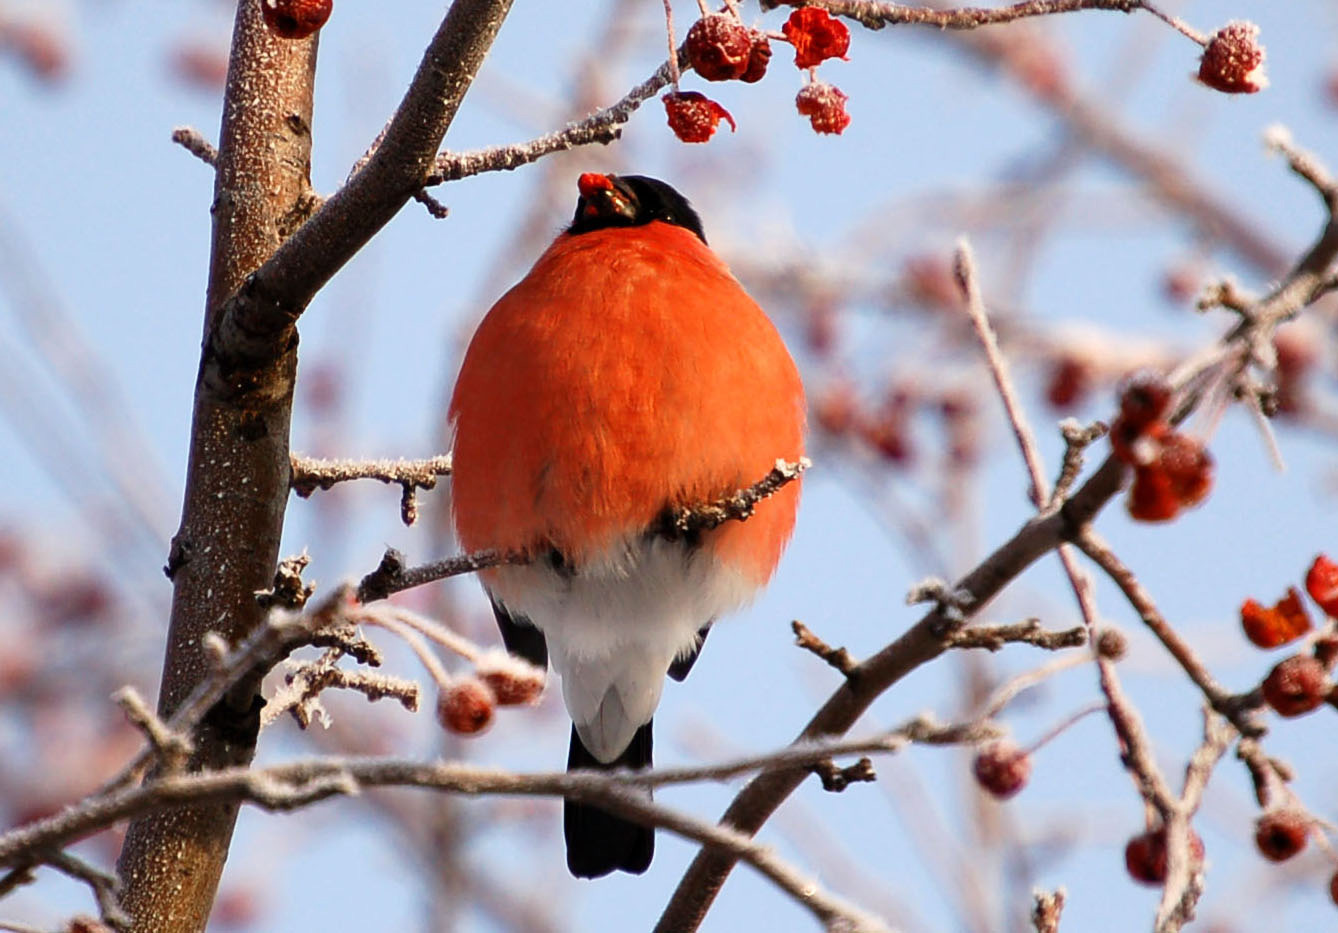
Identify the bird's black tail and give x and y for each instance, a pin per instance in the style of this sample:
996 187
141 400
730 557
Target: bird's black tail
597 841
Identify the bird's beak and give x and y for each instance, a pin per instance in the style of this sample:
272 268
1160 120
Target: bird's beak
600 197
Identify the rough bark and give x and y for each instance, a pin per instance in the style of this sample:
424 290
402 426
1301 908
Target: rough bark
237 478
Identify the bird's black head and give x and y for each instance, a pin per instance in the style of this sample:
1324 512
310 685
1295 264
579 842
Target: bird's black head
630 201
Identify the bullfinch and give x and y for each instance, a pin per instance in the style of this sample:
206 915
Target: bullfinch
626 376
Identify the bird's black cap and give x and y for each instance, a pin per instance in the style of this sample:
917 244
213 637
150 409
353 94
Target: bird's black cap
630 201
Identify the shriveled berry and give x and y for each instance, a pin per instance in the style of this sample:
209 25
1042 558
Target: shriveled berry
1188 467
1111 644
693 116
1321 582
1233 62
834 410
1268 627
815 36
1069 382
759 56
1296 685
466 706
1144 398
719 47
513 682
295 19
928 279
1280 834
1002 769
1145 855
1152 498
824 105
888 436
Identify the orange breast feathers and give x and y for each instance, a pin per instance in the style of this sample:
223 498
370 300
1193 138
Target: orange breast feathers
627 372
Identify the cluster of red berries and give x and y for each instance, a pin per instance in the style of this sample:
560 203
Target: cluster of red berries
719 47
1233 60
1302 682
466 705
295 19
1172 471
885 428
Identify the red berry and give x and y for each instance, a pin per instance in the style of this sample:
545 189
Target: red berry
1233 62
693 116
824 105
1280 834
759 56
1296 685
1145 855
719 47
1333 888
834 409
1144 398
928 279
466 706
1002 769
1070 381
815 36
512 681
295 19
200 65
1321 582
1152 498
1188 468
1285 621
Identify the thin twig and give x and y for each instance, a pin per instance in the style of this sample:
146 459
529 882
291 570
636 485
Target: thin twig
875 15
838 658
964 267
1031 632
194 142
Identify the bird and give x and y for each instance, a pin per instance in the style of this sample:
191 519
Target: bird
626 376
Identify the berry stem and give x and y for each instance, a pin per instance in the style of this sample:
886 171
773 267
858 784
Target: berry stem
673 47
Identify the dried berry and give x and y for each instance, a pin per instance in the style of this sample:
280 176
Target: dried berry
1002 769
466 706
1143 401
835 409
1152 498
1280 834
1269 627
719 47
1333 888
1188 468
1111 644
887 435
1233 61
815 36
759 56
1145 855
295 19
512 681
693 116
1296 685
1069 382
1321 582
824 105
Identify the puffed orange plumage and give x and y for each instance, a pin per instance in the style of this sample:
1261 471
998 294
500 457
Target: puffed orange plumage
627 374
